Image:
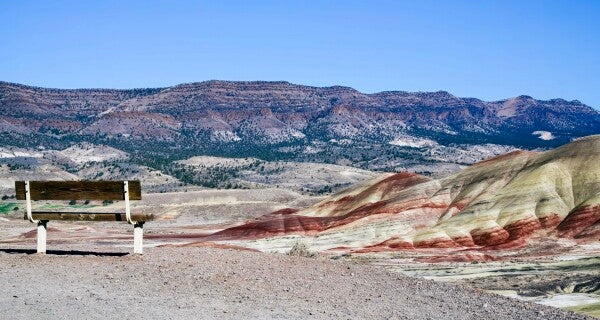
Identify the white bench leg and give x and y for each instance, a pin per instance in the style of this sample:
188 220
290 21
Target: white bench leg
41 237
138 237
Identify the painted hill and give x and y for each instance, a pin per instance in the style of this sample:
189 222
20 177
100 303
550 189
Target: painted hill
505 202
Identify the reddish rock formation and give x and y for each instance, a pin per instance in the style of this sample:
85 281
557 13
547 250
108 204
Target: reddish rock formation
436 243
522 228
550 221
485 207
590 233
512 244
578 220
464 241
391 244
489 237
402 180
290 224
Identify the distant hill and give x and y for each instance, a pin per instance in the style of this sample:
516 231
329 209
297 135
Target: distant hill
392 130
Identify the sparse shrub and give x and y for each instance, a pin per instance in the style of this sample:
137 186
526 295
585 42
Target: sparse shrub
301 249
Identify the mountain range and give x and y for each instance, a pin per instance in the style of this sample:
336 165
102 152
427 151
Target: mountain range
385 131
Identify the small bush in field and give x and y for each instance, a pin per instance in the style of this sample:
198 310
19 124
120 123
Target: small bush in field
301 249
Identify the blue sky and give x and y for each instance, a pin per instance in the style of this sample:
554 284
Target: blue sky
485 49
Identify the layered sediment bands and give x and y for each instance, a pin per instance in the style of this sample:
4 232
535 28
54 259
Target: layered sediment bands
464 241
346 210
381 190
436 243
290 223
578 220
392 244
523 228
275 227
400 181
591 232
497 204
490 237
550 221
510 244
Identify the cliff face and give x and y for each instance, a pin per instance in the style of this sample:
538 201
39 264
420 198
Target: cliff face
500 203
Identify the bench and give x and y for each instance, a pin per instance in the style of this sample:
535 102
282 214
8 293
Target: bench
82 190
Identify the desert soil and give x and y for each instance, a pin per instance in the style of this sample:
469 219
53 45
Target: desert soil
204 283
95 278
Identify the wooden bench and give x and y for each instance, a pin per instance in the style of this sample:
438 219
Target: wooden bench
82 190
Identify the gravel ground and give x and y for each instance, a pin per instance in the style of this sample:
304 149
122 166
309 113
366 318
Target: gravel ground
207 283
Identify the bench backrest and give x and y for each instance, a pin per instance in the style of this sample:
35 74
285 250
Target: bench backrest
82 190
78 190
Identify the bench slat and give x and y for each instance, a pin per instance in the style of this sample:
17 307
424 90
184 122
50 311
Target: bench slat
90 216
78 190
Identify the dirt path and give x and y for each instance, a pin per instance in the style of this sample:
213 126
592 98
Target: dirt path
205 283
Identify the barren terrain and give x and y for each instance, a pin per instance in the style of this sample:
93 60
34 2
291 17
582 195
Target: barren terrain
206 283
203 260
89 273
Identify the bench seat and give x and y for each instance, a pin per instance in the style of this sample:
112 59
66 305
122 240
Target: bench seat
89 216
83 190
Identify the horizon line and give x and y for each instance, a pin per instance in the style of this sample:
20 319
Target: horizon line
294 84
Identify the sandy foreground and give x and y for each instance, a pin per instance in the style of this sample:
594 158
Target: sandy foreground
209 283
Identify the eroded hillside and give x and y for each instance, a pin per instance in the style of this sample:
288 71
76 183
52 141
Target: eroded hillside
506 202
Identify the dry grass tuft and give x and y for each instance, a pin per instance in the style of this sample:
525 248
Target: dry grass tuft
301 249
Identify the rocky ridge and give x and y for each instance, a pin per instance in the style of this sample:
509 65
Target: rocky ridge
284 121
